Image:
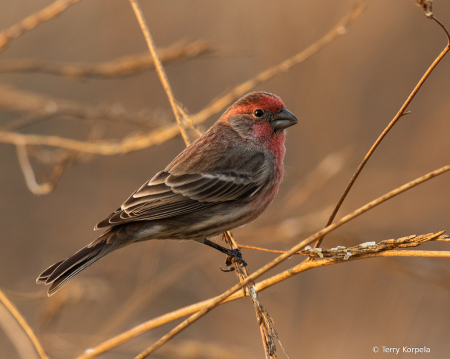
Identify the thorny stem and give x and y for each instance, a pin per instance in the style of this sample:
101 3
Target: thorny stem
399 114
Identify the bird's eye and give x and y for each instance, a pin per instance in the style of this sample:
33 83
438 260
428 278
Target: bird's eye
258 113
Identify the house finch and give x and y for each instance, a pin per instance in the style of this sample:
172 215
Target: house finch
223 180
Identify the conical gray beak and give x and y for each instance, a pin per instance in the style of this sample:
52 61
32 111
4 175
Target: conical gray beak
283 119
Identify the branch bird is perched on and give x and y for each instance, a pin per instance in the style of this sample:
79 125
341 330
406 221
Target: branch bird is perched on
223 180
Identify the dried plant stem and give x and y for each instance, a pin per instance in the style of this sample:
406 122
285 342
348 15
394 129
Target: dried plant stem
399 114
124 66
24 325
305 265
263 318
34 20
284 66
159 67
392 253
108 148
30 178
38 107
243 246
308 264
193 318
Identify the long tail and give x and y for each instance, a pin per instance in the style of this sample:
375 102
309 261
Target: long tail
60 273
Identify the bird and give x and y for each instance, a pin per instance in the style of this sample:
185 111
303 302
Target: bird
223 180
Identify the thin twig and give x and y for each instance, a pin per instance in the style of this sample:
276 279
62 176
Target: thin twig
284 66
34 20
30 178
243 246
41 107
165 133
324 171
399 115
124 66
143 295
159 68
193 318
15 334
23 323
305 265
24 295
263 318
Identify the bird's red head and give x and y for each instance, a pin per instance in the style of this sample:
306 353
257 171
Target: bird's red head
253 101
259 116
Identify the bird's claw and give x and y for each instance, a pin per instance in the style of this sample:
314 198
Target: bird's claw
237 256
229 269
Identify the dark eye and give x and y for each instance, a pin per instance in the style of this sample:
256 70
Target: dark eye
258 113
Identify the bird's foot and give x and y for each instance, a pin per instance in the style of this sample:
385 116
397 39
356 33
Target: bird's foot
229 269
235 254
232 254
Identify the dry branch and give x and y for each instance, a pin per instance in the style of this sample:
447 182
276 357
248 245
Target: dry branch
364 253
165 133
284 66
39 107
18 338
124 66
193 318
427 7
30 178
23 323
143 294
368 247
263 318
34 20
159 68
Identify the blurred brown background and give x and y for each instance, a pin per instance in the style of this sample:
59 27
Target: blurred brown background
344 96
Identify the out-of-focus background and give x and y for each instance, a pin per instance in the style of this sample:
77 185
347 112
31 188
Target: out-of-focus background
344 96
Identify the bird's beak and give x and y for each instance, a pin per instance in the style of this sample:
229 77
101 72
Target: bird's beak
283 119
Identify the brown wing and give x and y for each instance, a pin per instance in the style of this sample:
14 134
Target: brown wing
193 185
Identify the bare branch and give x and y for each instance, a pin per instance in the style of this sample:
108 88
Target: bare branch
23 323
34 20
264 320
193 318
159 68
411 241
30 178
163 134
18 338
41 107
124 66
399 115
284 66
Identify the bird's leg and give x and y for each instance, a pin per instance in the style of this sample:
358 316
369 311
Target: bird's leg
231 253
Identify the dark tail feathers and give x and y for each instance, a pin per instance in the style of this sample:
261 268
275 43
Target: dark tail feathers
60 273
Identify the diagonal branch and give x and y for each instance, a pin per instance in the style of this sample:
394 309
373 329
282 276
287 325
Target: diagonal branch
159 68
30 178
238 91
165 133
365 252
193 318
123 66
23 323
265 322
34 20
399 115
